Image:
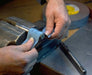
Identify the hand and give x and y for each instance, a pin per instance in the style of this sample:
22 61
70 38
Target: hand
17 60
56 14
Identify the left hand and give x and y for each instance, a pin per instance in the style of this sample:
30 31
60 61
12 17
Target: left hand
56 14
17 60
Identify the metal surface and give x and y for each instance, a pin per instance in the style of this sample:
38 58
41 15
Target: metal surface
59 62
46 47
10 34
72 58
26 25
80 45
63 61
14 30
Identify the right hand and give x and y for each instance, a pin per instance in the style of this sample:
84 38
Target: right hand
56 13
17 60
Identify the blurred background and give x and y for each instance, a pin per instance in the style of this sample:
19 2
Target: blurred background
29 10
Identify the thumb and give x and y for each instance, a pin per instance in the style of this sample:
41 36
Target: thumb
27 46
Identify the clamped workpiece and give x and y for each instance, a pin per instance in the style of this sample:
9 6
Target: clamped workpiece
43 44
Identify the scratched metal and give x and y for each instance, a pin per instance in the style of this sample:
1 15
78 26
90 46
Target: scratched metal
10 34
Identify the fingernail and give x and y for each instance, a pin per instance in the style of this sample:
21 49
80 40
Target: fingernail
32 39
47 33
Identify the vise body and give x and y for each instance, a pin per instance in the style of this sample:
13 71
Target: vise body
13 31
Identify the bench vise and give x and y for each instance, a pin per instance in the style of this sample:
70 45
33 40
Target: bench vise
16 31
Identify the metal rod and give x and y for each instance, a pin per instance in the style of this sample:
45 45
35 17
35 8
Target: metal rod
71 57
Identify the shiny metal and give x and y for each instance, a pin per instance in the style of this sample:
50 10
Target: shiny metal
80 45
10 34
72 58
13 30
63 61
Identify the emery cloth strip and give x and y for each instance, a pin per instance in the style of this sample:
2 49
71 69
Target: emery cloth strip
35 34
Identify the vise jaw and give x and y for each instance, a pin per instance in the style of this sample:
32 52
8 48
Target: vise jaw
13 30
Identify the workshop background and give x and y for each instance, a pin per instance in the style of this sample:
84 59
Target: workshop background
29 10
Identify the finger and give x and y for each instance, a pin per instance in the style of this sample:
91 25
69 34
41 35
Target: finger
31 55
58 29
27 46
49 24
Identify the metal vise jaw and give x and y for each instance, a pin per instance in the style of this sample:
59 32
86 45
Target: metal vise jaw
13 30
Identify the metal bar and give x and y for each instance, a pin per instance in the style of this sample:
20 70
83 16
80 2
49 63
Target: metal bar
71 57
16 24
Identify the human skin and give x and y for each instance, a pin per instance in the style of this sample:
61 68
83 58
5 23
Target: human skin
14 59
56 13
